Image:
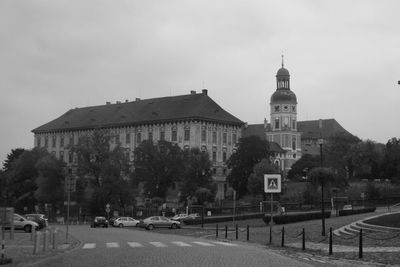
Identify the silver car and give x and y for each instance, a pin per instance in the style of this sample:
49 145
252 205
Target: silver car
22 223
159 221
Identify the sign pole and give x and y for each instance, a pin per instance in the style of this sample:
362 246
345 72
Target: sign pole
272 214
68 200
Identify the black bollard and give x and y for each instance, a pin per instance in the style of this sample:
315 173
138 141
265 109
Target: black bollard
216 231
330 241
248 233
360 250
237 233
283 237
270 235
304 240
226 231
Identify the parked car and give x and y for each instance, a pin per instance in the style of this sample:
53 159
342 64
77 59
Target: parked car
99 221
179 217
126 221
22 223
347 207
159 221
111 220
39 219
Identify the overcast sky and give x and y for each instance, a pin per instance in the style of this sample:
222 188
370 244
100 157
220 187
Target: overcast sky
343 58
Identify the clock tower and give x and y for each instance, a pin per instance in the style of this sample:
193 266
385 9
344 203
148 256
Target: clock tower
283 127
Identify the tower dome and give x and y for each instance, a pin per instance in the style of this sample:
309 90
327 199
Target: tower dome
282 72
283 94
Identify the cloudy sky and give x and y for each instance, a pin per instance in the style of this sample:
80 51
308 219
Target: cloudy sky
343 57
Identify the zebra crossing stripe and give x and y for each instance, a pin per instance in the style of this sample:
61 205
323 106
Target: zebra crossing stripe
112 245
181 244
89 245
158 244
135 244
203 244
225 244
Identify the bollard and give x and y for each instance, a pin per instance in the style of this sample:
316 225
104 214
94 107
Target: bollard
226 231
36 244
304 240
237 233
360 249
45 234
283 237
54 239
248 232
33 232
330 241
270 235
216 231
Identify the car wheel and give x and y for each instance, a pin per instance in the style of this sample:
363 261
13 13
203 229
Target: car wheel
174 226
120 225
137 225
27 228
150 227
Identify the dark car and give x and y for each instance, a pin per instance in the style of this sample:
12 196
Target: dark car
39 219
99 221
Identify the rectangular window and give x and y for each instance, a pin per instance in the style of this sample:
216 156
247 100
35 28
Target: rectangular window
276 123
62 155
128 138
53 141
117 139
38 141
224 156
234 138
294 124
71 140
162 135
214 137
62 141
203 135
151 136
224 138
70 157
46 141
294 142
139 137
285 140
214 156
187 134
174 136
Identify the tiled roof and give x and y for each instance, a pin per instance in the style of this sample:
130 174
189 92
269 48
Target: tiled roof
258 130
311 130
156 110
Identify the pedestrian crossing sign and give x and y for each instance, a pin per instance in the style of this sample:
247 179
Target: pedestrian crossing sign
272 183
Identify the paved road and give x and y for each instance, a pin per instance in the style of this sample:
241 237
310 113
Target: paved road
126 247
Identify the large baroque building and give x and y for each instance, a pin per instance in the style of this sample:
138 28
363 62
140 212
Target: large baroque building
192 120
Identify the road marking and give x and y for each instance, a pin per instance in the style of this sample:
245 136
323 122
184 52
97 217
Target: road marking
181 244
89 245
135 244
158 244
203 244
112 245
225 244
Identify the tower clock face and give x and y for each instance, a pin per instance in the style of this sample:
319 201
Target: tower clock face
285 108
277 108
293 108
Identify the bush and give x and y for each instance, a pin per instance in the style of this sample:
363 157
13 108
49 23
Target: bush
296 217
356 211
224 218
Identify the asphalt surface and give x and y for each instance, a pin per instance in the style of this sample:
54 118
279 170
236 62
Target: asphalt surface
131 247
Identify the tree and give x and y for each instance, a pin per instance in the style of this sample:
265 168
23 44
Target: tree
158 166
301 167
251 150
105 164
255 183
391 163
196 174
367 158
50 180
12 157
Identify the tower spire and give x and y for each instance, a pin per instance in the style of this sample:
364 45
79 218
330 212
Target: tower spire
282 59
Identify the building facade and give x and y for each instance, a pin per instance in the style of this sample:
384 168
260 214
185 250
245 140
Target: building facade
192 120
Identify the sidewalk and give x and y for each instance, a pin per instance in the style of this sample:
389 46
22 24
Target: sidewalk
340 248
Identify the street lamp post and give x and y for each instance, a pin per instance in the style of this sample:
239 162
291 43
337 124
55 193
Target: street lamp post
320 142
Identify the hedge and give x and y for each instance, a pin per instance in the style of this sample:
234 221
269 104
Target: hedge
296 217
356 211
217 219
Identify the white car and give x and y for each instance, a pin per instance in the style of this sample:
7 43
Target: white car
126 221
22 223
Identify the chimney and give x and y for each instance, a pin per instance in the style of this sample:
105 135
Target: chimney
126 100
118 102
137 99
192 92
108 103
204 91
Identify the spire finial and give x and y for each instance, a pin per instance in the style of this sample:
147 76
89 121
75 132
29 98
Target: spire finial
282 59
